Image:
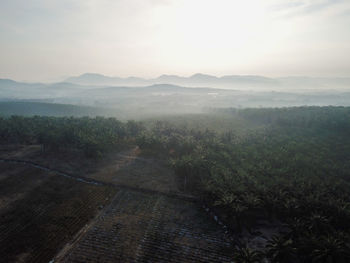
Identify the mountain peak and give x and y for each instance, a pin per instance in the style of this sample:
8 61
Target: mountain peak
91 74
203 77
168 76
7 81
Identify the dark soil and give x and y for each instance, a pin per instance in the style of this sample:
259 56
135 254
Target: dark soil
49 211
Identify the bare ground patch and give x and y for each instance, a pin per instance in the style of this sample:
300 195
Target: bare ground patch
42 211
141 227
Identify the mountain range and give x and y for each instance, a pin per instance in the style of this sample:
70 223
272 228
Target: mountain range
167 94
203 80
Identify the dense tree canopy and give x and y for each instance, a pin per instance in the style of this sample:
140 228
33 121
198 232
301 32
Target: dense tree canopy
294 167
91 135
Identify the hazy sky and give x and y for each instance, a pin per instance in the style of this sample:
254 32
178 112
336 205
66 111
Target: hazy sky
44 40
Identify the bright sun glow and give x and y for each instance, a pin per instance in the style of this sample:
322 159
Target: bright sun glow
211 33
152 37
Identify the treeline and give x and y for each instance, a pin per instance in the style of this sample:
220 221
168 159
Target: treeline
295 170
93 136
314 117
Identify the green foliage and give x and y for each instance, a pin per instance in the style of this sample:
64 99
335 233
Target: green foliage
330 249
245 254
93 136
280 249
294 166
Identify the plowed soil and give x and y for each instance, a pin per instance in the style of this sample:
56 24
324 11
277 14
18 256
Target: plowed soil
134 214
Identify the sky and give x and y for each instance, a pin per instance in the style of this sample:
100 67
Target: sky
48 40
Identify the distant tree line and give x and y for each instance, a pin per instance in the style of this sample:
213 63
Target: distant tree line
93 136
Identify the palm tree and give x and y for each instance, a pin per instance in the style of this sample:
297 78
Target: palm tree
280 249
318 223
297 227
244 254
331 249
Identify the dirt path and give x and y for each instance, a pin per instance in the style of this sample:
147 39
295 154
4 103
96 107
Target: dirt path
128 168
92 181
47 169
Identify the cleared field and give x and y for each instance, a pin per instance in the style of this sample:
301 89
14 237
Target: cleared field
119 217
144 227
41 211
125 167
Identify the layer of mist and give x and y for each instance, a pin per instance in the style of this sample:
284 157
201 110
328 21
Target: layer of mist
135 98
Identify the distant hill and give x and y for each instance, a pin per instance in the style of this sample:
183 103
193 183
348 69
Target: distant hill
98 79
24 108
228 81
320 82
20 90
196 80
9 83
161 96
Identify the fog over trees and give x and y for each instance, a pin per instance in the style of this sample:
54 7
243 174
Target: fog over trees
175 131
